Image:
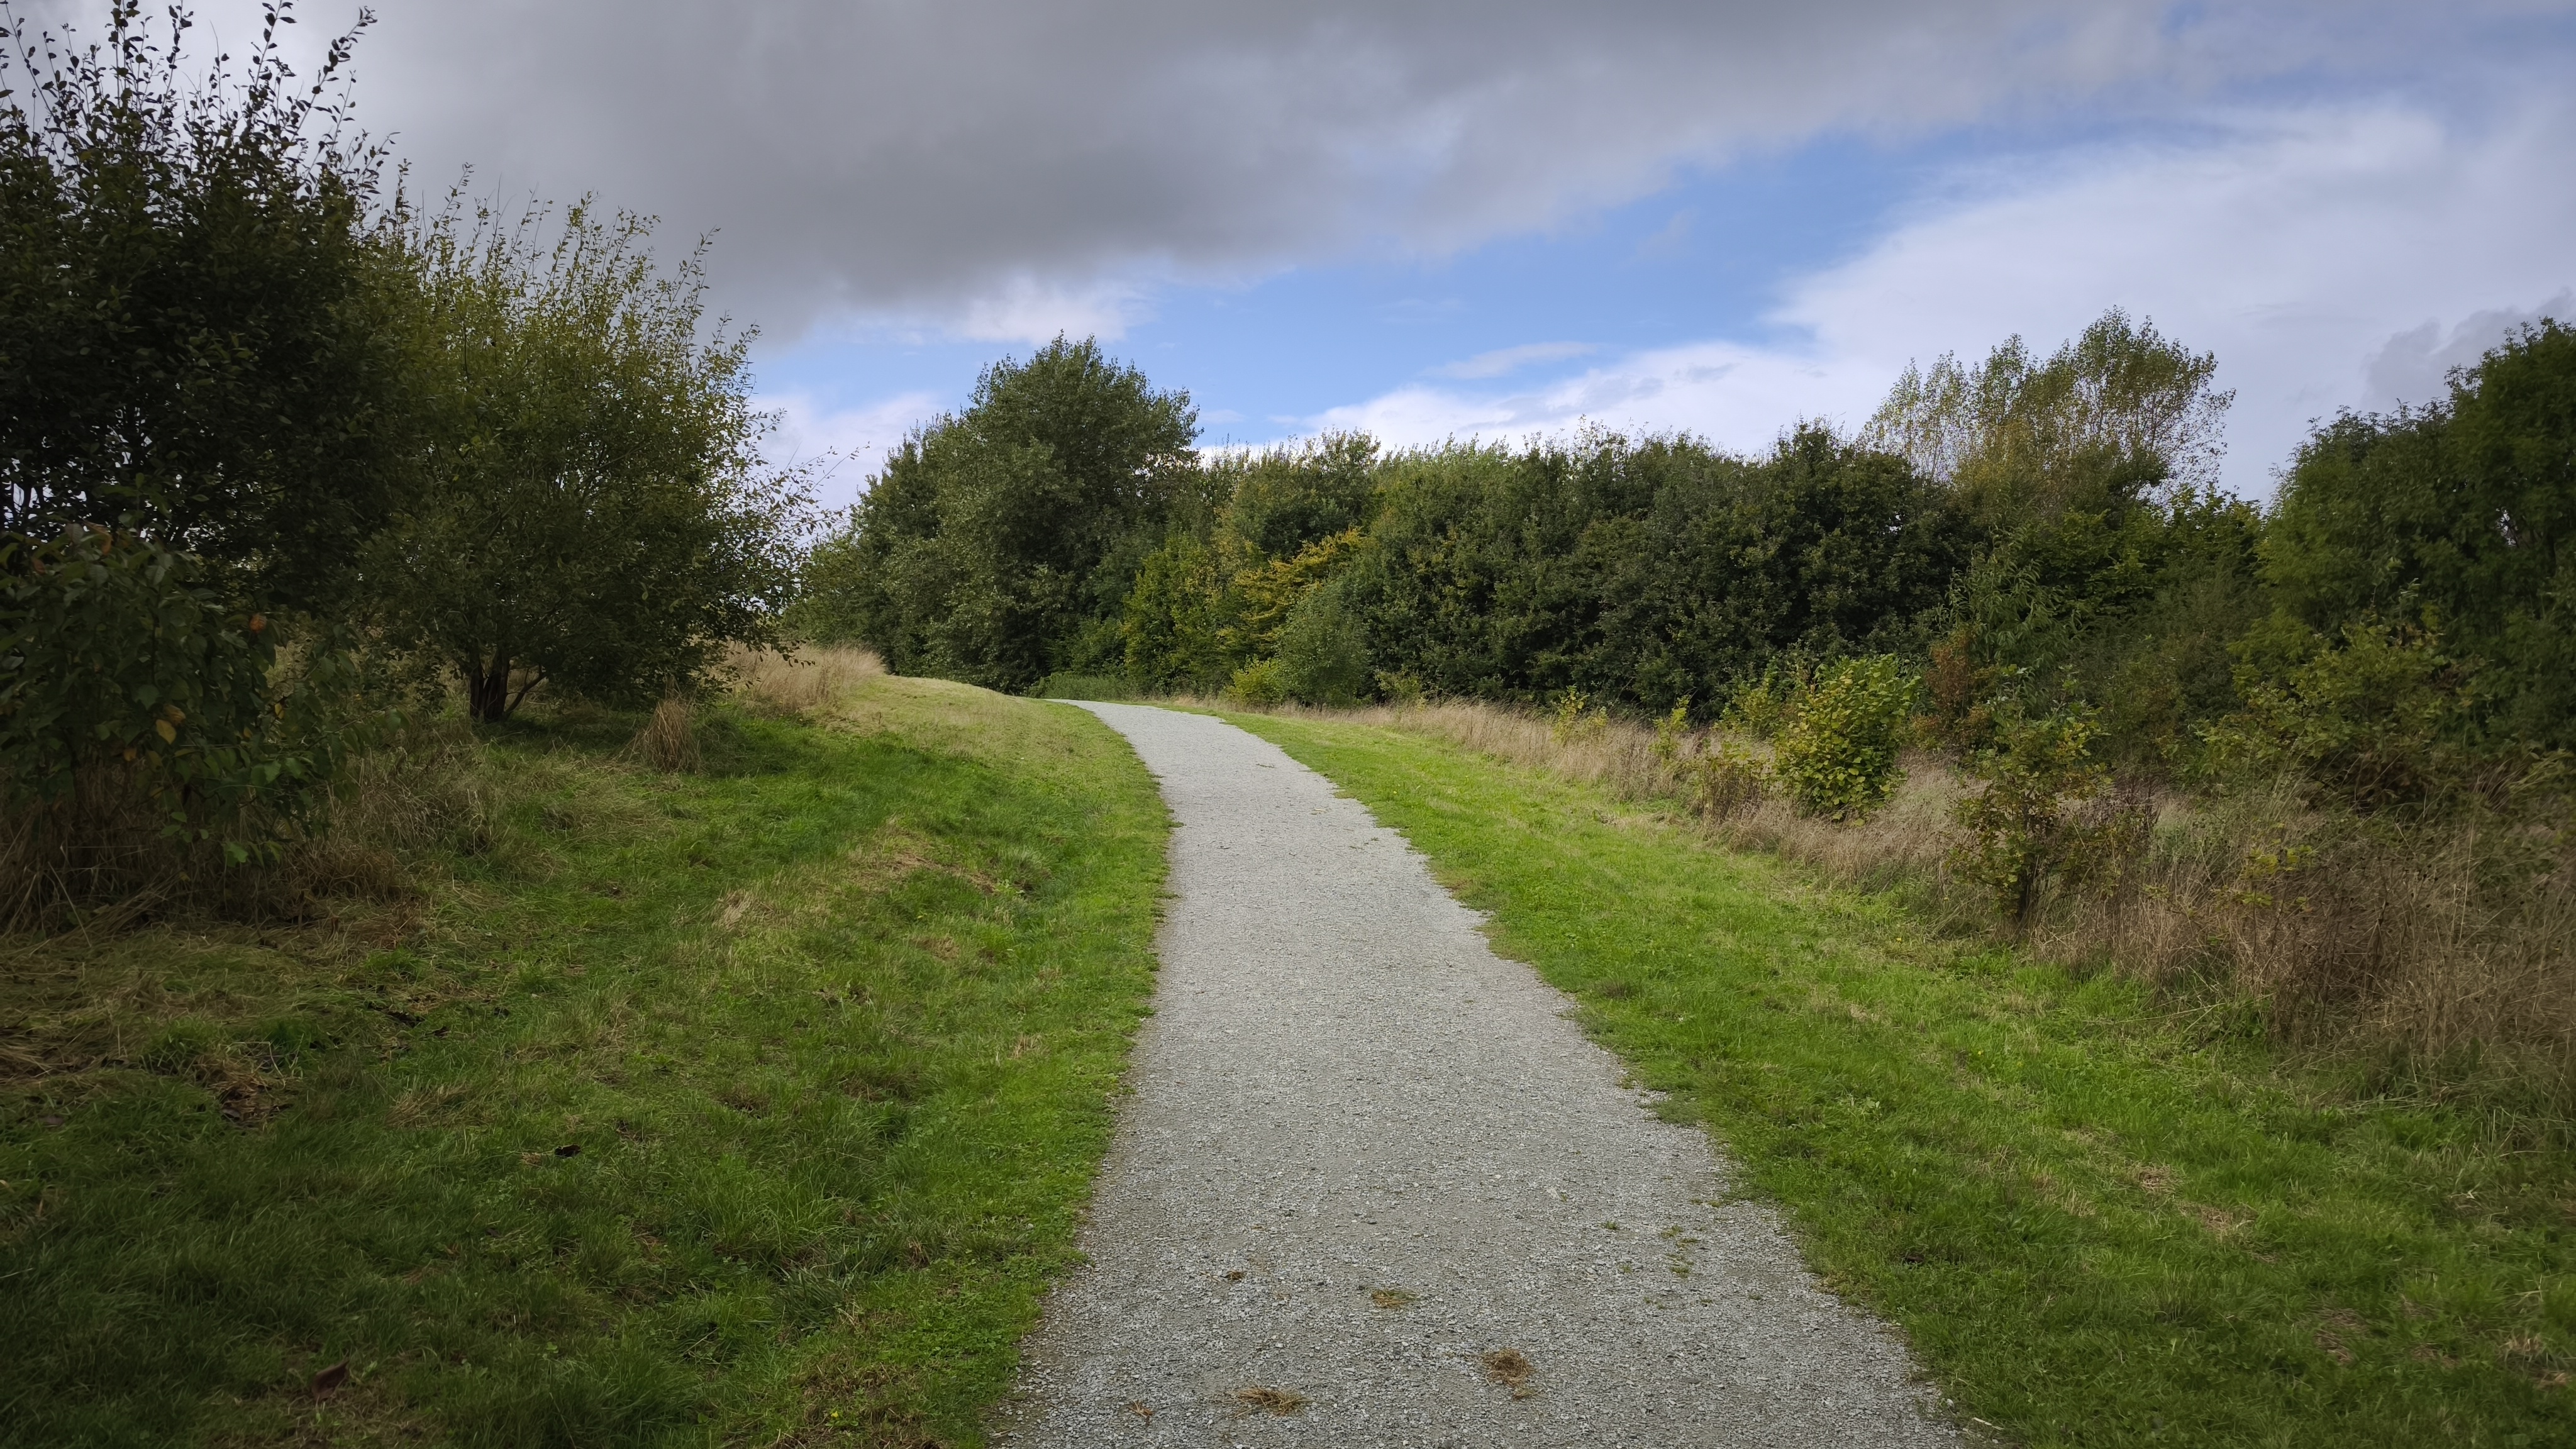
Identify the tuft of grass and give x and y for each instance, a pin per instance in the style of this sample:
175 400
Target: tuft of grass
1512 1369
668 742
2103 1215
1264 1400
752 1105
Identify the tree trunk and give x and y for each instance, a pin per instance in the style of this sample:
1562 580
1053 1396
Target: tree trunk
487 690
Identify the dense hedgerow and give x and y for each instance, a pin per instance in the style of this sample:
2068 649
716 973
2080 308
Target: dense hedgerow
2031 532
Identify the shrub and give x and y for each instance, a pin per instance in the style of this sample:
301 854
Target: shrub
1323 652
1175 628
2372 720
1402 688
120 657
2046 811
1672 731
1576 718
1066 685
1958 713
1836 756
1259 683
1726 778
1762 706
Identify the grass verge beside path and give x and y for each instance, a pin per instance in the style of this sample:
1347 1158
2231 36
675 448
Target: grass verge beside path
745 1107
2098 1221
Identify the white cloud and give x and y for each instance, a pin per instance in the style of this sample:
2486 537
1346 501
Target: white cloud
849 444
2305 248
1740 397
1507 360
1027 308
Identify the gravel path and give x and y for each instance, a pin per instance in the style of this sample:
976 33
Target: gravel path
1374 1188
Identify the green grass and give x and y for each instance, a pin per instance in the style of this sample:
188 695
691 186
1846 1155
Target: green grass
2099 1219
746 1107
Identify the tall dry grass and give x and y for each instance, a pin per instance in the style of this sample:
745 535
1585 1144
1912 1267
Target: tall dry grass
668 742
2448 937
430 788
799 681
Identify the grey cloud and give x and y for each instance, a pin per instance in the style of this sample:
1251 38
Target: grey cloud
2414 367
988 165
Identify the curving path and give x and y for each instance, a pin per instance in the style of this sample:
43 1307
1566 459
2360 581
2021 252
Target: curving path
1364 1154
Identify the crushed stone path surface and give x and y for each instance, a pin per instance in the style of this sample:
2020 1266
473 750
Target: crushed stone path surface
1364 1153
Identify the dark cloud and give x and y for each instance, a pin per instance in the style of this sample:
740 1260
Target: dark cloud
985 167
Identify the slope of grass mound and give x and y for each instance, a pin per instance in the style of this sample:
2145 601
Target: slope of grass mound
747 1105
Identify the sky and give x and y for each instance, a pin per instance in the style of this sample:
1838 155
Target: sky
1440 220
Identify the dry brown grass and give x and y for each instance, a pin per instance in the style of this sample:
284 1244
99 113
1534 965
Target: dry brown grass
2451 935
430 788
94 859
1261 1399
800 681
1512 1369
668 742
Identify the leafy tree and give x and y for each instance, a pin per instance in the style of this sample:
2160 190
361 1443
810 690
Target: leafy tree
201 423
2107 558
2119 412
192 332
1644 571
1000 544
594 510
2460 516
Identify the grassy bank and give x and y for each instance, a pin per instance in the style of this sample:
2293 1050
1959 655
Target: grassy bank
2099 1219
2436 947
743 1106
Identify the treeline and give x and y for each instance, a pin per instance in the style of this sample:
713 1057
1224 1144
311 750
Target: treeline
285 452
2026 534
